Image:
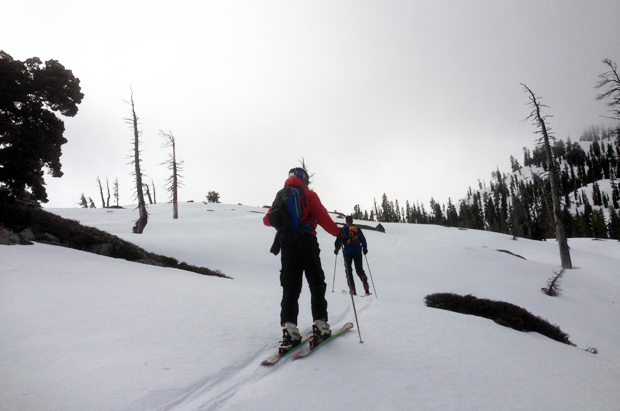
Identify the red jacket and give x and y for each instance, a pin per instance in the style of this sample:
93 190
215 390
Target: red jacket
315 209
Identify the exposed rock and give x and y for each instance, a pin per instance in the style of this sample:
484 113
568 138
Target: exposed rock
8 237
104 249
52 238
28 235
148 261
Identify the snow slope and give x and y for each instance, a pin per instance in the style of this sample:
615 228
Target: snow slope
85 332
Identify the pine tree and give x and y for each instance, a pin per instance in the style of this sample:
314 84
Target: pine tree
116 195
599 227
213 197
83 203
614 225
357 212
615 195
451 214
31 135
586 220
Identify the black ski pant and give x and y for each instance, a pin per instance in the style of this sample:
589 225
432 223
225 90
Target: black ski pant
355 258
299 257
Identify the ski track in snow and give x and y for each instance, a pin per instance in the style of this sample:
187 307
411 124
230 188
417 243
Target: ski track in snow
212 393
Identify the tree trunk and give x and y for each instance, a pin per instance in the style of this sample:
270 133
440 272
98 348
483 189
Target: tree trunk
174 181
148 193
138 228
107 183
101 191
559 226
175 198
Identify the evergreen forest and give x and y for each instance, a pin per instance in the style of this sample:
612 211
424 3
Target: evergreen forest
519 203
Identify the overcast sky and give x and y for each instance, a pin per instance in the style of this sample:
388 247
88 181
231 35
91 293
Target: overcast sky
415 99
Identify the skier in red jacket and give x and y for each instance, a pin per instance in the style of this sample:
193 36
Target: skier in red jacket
299 255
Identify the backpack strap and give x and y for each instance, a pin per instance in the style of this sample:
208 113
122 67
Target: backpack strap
304 223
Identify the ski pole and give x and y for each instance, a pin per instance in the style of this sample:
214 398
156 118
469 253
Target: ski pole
373 281
356 321
334 282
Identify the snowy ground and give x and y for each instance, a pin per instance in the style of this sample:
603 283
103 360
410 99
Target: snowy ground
85 332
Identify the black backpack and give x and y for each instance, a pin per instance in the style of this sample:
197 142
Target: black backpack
286 212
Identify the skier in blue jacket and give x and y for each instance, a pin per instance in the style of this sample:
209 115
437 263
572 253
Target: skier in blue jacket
353 244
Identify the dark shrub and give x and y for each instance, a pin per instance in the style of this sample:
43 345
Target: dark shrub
506 314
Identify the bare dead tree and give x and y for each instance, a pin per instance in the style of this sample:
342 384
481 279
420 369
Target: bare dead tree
154 197
101 191
147 191
174 182
138 228
107 183
610 83
539 120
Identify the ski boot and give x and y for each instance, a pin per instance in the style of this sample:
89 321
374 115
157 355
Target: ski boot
320 332
290 338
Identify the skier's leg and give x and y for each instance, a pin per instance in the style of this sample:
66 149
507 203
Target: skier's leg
359 267
316 278
291 281
348 269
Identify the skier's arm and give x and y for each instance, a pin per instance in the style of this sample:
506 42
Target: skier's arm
363 241
265 219
339 241
319 212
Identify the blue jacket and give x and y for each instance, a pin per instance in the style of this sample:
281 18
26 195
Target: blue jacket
350 249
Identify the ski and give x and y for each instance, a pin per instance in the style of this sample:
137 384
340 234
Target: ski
278 356
355 295
335 334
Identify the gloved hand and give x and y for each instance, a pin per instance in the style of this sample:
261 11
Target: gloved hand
365 252
336 251
340 235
